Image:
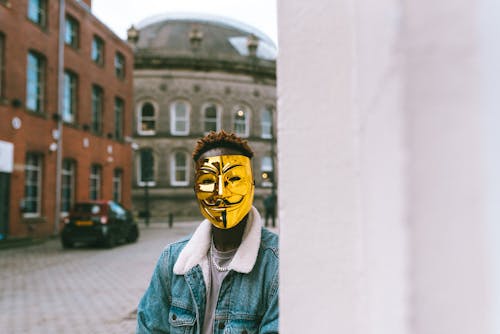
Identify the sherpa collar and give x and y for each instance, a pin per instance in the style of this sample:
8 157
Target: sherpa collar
195 251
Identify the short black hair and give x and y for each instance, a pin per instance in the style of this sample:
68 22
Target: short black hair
221 139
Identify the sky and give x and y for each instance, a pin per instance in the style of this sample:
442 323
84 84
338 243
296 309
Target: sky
119 15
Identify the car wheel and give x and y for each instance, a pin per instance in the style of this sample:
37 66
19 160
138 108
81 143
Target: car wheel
110 241
67 243
133 234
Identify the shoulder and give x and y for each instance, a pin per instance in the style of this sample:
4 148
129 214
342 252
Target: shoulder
269 241
172 250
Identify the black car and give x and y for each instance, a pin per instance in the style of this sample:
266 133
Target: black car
103 222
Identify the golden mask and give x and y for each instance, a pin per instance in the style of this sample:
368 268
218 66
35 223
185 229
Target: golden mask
224 187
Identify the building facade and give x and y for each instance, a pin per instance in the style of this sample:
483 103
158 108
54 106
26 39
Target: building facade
193 75
59 148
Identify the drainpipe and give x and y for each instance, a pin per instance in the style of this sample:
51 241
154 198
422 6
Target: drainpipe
60 101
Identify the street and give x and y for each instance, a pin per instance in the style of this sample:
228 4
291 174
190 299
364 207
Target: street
45 289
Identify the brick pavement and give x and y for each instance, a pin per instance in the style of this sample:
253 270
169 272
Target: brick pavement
45 289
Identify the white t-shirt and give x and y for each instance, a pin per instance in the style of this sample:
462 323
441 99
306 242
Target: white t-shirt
223 259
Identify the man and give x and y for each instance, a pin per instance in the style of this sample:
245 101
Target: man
270 208
224 278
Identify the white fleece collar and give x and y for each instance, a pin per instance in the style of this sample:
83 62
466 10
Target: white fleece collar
195 251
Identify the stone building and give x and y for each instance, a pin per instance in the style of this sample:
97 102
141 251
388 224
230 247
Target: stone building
65 111
192 75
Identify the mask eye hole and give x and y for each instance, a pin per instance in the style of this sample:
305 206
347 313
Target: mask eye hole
207 181
234 178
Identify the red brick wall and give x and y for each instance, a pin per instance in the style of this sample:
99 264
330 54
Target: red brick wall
35 134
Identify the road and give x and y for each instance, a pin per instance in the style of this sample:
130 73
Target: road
45 289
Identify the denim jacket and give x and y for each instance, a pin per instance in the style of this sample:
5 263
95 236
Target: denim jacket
248 300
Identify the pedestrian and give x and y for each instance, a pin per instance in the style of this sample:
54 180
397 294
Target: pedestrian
270 208
224 277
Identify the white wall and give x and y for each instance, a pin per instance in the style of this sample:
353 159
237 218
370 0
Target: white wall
343 244
388 150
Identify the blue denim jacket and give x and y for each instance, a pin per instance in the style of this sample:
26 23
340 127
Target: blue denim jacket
248 300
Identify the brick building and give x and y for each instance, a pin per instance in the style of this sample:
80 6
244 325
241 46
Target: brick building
91 124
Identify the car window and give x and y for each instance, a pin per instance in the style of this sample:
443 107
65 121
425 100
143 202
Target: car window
88 208
117 210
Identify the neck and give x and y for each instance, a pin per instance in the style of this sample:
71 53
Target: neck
229 239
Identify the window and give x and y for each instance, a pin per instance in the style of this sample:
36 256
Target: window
266 123
33 184
146 119
37 12
67 185
146 168
2 64
119 65
35 82
97 53
211 117
179 169
95 182
71 32
179 118
266 169
117 185
119 107
97 107
241 121
69 97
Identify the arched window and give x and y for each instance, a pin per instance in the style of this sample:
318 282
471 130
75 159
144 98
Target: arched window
211 117
266 122
241 121
179 117
146 119
146 168
179 169
95 182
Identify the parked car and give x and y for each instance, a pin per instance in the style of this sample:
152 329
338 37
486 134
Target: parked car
103 222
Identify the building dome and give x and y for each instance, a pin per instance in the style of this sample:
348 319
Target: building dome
201 41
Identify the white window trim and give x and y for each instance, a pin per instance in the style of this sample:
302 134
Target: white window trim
173 181
217 117
247 111
268 124
71 173
264 169
139 118
39 168
139 171
98 178
173 118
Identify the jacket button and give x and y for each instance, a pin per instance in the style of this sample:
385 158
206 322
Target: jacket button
221 325
174 317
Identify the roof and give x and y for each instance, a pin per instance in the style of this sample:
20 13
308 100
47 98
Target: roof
221 38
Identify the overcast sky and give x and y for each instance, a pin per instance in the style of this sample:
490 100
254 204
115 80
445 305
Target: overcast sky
119 15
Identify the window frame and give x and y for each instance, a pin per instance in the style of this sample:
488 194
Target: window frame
140 182
117 185
95 179
247 112
65 175
119 117
96 124
173 169
71 27
120 70
73 96
174 119
264 124
140 118
38 169
41 74
41 9
97 49
218 115
266 168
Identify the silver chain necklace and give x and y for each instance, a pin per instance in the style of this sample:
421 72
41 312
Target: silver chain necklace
219 268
